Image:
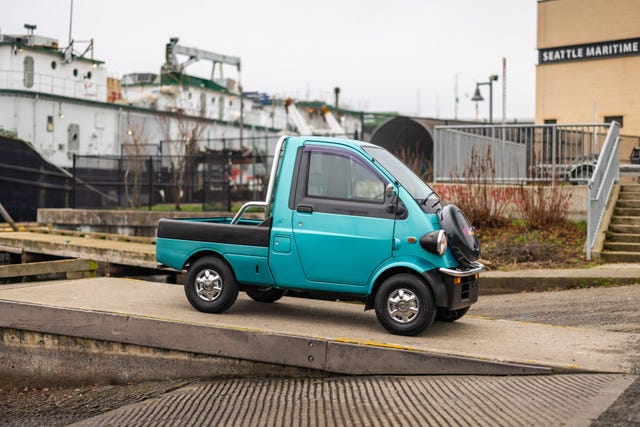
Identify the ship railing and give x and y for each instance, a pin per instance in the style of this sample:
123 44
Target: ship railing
54 85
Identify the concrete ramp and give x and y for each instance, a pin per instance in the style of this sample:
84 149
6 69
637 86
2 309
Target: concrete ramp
320 335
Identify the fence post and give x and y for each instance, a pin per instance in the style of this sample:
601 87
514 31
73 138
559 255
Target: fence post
150 171
227 170
204 159
119 182
553 155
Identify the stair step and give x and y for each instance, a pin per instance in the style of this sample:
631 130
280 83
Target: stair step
615 256
630 187
622 237
625 220
622 247
628 203
624 229
629 195
626 211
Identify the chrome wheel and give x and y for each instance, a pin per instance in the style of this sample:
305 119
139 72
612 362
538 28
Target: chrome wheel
208 285
403 305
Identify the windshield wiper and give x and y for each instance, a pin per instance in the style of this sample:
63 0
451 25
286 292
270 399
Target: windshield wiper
424 201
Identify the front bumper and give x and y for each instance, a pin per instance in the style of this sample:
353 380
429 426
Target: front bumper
462 285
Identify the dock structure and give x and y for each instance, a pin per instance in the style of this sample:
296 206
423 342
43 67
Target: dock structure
137 253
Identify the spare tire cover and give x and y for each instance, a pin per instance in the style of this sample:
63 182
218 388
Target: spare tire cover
462 239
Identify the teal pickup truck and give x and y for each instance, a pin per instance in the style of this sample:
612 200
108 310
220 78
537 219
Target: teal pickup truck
343 219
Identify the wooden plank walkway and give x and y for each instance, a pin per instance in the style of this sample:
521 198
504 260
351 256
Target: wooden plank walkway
127 253
73 268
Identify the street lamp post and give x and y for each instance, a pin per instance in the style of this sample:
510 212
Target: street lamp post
477 96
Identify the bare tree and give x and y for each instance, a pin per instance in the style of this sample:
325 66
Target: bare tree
133 148
183 149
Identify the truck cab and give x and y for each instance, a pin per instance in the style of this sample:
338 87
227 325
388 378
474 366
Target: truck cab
343 219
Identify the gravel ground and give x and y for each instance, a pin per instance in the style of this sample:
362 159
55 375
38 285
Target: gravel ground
60 406
611 309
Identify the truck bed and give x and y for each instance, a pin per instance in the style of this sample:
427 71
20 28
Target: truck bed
216 230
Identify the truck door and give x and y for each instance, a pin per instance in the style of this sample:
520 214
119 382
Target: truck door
340 223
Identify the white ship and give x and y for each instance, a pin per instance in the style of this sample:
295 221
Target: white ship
62 101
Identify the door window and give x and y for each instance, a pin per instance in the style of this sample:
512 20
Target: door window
335 176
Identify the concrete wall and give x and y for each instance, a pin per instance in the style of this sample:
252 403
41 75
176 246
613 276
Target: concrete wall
32 359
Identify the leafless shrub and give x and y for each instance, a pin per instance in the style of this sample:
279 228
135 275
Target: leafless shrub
478 194
542 205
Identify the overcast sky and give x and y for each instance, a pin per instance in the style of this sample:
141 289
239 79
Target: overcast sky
401 55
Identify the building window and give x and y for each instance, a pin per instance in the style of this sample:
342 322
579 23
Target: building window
49 123
550 121
619 119
28 71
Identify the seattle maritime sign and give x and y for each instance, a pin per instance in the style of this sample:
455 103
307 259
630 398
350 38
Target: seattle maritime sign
587 51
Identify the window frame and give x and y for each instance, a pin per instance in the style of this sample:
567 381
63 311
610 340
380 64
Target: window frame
335 205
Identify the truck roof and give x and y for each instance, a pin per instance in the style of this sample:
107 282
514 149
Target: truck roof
333 140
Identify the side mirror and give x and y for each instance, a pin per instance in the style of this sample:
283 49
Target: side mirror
390 190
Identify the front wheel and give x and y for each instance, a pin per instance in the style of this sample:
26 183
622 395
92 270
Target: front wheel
265 294
404 305
210 285
451 315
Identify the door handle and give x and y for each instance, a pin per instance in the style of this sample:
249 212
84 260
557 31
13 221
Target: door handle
304 209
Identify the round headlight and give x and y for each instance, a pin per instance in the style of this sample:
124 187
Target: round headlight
435 242
441 244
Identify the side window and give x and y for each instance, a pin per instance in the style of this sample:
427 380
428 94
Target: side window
335 176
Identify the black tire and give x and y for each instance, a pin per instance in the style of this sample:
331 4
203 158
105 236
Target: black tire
451 315
462 239
404 305
265 293
210 285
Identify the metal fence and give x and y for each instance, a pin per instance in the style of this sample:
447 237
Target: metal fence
605 175
516 154
208 181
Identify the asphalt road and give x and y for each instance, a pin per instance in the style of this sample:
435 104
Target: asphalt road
356 401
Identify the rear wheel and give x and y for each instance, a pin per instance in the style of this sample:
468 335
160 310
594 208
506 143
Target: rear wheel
265 293
404 305
210 285
451 315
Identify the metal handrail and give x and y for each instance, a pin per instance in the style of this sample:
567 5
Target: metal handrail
605 175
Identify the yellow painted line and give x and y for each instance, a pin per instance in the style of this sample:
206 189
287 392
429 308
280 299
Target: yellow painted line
372 343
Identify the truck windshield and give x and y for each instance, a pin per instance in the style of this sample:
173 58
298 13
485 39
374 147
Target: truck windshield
409 180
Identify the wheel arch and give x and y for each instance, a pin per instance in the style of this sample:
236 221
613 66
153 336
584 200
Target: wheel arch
208 252
431 279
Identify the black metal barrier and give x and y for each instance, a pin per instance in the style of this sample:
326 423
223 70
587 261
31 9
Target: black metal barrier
207 181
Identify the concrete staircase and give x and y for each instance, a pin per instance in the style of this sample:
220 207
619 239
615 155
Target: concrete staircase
622 242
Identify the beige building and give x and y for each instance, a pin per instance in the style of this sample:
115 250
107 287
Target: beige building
589 64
